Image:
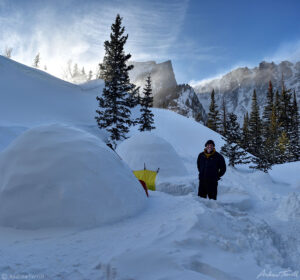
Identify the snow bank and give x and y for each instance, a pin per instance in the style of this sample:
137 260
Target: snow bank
154 151
58 175
289 208
287 173
31 97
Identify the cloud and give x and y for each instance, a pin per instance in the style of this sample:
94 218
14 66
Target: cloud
76 30
286 51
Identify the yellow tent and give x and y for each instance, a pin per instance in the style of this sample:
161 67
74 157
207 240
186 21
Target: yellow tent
148 176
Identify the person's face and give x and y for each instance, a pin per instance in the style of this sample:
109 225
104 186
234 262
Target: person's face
209 148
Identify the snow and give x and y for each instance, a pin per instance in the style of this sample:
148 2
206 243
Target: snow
252 228
33 97
153 151
286 172
59 176
289 207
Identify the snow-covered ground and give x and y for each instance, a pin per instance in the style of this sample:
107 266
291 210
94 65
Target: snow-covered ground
250 232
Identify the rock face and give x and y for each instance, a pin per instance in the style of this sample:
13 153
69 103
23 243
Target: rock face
183 100
237 86
162 75
167 94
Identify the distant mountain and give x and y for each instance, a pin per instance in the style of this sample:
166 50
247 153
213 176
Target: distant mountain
237 86
162 75
167 93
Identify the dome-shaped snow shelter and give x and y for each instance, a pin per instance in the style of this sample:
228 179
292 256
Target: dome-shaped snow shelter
58 175
155 153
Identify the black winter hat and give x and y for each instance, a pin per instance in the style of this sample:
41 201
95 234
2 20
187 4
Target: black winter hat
210 142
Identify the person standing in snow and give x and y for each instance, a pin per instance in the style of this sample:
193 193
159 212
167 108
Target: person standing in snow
211 167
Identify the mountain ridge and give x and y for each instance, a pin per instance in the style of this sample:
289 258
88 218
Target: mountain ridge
237 86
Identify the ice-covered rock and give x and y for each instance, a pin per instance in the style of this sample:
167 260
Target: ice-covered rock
61 176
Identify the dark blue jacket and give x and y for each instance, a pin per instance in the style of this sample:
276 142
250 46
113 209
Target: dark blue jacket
211 168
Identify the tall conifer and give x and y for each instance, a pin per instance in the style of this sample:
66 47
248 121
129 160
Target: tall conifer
255 128
213 115
146 119
114 112
231 149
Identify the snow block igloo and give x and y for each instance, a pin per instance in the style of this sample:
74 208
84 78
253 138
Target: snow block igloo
61 176
154 151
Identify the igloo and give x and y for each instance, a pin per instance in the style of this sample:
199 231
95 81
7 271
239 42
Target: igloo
61 176
153 151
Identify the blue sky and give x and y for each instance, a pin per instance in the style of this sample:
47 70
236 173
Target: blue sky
204 39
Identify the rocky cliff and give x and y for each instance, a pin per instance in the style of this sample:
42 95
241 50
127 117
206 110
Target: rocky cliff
237 86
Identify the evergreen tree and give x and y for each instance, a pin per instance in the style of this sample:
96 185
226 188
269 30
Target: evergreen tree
294 137
255 128
223 123
83 72
266 118
261 163
245 133
256 146
277 105
90 76
284 112
8 52
271 143
283 147
231 149
75 72
213 115
146 119
118 93
36 61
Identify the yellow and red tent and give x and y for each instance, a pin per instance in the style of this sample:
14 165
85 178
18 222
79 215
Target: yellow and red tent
147 176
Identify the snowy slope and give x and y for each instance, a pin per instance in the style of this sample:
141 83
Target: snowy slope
251 230
34 97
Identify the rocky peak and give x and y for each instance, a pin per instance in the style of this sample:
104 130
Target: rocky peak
237 86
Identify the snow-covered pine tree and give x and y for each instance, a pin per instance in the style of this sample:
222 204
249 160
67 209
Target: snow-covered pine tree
271 143
284 113
231 149
256 145
283 146
294 137
266 118
245 133
90 76
146 120
75 72
83 72
36 61
213 115
223 121
8 52
114 112
255 128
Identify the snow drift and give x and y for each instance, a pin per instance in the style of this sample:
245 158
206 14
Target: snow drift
32 97
57 175
289 207
154 151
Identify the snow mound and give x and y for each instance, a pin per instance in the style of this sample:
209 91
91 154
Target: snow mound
289 208
154 151
61 176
